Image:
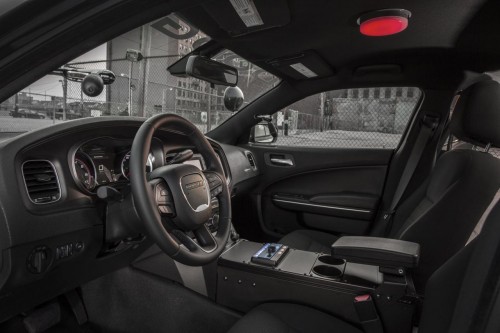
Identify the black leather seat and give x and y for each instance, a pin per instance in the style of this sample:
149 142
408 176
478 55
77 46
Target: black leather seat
457 295
442 213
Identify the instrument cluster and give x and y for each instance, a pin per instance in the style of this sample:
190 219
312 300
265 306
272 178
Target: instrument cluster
105 162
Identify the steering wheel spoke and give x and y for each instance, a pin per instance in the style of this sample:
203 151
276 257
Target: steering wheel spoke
204 240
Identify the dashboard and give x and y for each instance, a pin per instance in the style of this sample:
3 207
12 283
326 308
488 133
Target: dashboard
50 211
105 161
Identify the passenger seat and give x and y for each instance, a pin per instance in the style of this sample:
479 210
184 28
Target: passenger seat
442 213
461 297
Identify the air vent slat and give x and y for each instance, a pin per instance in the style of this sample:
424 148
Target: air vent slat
35 183
38 171
41 181
43 188
251 160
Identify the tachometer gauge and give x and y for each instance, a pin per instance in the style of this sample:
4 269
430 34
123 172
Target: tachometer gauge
126 161
85 173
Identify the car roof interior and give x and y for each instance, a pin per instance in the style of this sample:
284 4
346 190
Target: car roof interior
323 32
328 31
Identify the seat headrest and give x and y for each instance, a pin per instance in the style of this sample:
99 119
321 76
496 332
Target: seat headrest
476 118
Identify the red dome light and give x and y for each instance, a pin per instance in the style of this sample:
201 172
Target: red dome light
384 22
383 26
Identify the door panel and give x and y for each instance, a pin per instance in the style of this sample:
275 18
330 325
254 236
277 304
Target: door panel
335 190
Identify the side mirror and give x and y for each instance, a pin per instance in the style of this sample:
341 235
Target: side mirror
233 98
264 132
211 71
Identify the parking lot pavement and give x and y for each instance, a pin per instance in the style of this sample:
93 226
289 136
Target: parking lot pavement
340 139
10 124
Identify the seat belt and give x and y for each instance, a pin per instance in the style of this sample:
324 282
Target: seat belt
429 125
480 223
446 136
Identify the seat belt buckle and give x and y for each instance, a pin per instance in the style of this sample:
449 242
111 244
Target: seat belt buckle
388 215
367 314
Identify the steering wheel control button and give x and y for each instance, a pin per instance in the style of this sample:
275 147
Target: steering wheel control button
213 179
216 191
162 194
39 260
166 210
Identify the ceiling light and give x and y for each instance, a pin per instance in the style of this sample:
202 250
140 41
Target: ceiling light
384 22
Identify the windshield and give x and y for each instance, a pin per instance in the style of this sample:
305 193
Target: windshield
142 88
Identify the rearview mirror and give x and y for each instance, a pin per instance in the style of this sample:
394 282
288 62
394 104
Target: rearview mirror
211 71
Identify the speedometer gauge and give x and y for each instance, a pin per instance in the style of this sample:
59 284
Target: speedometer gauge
85 173
125 165
126 161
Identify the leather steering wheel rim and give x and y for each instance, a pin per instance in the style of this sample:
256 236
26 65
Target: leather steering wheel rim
173 241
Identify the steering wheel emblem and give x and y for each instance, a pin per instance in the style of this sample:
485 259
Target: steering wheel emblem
196 192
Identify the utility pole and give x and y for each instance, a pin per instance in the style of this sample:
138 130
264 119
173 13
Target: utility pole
65 95
130 88
53 110
16 103
321 110
143 71
81 101
209 111
132 56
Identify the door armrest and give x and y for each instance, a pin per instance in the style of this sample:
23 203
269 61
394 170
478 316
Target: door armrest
382 252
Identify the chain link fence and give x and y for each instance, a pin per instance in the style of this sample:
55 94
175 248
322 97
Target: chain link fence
141 89
145 89
350 118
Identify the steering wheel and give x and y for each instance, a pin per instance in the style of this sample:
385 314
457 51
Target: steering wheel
174 201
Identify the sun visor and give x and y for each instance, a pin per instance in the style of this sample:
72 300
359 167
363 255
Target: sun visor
306 65
242 17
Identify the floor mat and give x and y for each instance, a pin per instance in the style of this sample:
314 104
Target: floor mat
133 301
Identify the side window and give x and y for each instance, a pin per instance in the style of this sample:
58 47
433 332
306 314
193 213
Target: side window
350 118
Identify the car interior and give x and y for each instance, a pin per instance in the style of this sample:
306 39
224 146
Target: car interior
271 219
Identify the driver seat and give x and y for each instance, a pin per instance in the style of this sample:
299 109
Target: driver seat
460 296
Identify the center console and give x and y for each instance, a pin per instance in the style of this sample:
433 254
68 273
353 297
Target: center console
363 280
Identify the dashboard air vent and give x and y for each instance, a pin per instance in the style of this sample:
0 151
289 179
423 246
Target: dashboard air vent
41 181
251 160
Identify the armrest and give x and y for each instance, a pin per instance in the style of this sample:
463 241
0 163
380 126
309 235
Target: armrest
383 252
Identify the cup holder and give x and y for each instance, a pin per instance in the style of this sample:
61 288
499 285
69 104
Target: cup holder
327 271
329 260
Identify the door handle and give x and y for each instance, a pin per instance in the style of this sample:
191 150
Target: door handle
282 161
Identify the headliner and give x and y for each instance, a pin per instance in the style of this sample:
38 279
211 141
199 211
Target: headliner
456 34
